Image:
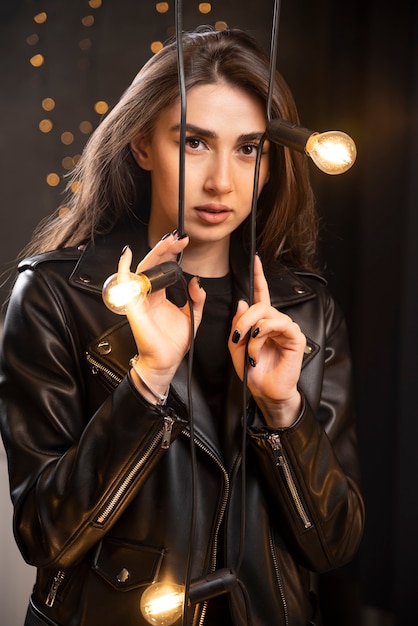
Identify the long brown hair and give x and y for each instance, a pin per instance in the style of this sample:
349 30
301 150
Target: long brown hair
110 184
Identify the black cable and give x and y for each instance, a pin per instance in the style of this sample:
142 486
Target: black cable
182 90
273 55
253 251
180 227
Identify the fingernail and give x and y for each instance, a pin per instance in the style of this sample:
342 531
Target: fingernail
255 332
124 249
236 336
165 236
251 361
175 231
199 282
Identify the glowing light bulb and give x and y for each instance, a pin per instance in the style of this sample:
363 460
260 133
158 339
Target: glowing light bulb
162 603
334 152
124 290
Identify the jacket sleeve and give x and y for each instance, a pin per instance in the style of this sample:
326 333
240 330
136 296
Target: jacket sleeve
311 470
71 474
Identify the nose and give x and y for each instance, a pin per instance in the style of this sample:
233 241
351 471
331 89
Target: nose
219 175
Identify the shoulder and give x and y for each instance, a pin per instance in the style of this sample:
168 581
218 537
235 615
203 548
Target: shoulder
293 286
62 254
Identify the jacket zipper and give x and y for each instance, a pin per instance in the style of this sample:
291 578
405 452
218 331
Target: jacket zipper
97 367
56 583
279 580
219 520
276 445
163 435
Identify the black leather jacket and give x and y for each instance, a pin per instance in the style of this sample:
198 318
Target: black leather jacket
102 508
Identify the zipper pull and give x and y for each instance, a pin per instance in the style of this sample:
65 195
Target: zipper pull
276 445
57 580
167 430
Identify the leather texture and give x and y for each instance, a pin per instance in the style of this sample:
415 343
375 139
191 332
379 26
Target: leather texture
101 509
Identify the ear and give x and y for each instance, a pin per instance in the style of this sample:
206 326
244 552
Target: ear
141 152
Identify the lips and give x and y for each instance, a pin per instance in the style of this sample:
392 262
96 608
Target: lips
213 213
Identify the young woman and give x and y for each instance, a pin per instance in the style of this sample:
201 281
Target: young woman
97 409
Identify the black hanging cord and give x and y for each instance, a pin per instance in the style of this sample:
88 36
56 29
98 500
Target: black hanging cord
273 55
180 227
253 251
182 89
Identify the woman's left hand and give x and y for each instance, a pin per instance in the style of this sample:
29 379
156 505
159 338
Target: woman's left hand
275 352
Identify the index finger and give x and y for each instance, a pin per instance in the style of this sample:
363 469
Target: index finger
166 249
261 290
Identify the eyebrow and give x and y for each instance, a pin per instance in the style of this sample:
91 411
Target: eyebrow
209 134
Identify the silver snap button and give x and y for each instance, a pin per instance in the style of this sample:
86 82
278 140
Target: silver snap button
299 289
123 576
104 347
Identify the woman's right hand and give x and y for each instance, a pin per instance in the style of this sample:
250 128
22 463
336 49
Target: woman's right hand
162 331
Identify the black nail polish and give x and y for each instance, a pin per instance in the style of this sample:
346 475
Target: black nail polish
236 336
124 249
165 236
175 231
255 332
251 361
183 236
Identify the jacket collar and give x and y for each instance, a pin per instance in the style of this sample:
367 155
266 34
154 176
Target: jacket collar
99 260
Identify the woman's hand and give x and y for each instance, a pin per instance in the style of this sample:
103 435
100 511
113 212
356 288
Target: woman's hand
162 331
275 353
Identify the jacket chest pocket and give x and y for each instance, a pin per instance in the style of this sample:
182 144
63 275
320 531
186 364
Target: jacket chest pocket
127 566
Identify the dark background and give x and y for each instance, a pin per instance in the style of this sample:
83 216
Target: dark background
352 66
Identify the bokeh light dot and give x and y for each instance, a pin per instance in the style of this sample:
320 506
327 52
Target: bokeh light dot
84 44
156 46
95 4
101 107
85 127
48 104
53 179
37 60
162 7
63 212
32 40
40 18
67 138
205 7
45 126
87 20
67 162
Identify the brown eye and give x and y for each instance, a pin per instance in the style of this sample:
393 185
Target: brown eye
194 143
249 149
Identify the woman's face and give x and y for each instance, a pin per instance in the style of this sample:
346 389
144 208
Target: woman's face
224 127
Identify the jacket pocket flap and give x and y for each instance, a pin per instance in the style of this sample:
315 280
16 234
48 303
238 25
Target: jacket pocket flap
126 566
